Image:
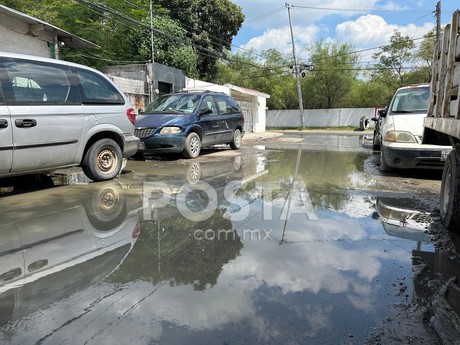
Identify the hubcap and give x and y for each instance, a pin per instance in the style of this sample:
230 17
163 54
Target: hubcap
237 138
108 200
194 145
106 161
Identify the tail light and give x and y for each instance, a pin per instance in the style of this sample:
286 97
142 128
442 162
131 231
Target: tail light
131 114
136 232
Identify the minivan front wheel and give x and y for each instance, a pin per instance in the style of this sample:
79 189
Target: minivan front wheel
192 146
103 160
235 144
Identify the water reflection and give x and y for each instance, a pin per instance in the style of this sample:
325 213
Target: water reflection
58 241
287 251
401 221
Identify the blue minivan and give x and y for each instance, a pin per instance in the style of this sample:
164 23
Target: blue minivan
184 122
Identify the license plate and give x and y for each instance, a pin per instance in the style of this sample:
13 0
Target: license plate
444 155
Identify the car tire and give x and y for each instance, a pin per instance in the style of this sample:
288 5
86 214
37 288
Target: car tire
363 123
235 144
193 173
450 193
107 209
383 164
192 146
103 160
375 142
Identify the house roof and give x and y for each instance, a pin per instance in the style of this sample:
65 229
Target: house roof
64 36
246 91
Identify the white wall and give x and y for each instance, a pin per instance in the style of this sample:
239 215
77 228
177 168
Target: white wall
260 115
340 117
203 85
15 37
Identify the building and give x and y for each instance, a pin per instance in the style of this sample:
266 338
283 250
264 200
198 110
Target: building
252 102
23 34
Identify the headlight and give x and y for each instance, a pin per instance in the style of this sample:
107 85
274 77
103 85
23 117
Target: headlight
399 137
170 130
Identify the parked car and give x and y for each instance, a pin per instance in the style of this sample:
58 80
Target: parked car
56 114
399 129
186 121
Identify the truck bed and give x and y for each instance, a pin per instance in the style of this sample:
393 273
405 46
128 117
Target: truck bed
444 109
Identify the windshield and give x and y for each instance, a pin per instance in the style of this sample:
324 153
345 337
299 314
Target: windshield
414 100
175 104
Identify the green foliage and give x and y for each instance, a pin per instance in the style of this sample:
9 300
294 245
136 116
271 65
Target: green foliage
395 61
121 29
210 26
335 70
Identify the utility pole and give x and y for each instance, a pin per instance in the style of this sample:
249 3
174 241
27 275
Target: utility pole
438 21
152 48
296 68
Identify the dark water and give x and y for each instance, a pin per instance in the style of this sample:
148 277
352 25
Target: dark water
285 246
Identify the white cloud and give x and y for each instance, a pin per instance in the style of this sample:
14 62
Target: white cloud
280 39
370 31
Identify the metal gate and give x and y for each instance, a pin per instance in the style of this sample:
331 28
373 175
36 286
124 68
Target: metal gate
246 107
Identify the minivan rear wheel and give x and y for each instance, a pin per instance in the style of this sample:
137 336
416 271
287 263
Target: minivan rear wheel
192 146
235 144
103 160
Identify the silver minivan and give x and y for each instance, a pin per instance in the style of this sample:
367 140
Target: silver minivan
56 114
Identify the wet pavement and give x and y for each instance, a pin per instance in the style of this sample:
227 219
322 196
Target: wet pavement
292 240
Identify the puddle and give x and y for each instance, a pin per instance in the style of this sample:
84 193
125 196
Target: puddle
241 249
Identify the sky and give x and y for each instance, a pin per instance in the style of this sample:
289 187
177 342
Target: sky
364 24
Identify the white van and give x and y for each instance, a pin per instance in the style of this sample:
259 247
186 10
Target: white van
56 114
399 129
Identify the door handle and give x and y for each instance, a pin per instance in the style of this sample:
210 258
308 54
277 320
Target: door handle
25 123
3 123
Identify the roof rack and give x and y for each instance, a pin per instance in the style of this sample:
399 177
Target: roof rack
200 90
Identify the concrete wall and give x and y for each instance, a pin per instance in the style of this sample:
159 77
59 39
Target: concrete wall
16 37
342 117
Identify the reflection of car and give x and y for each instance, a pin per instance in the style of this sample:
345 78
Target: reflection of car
55 114
186 121
398 132
401 221
191 183
60 238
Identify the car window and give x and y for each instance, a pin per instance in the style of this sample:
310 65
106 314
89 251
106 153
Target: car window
412 100
208 103
97 90
227 105
174 103
36 83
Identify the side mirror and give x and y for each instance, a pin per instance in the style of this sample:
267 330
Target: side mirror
374 119
382 112
206 111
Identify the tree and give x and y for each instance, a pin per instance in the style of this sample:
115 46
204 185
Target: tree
424 55
335 70
395 61
210 25
121 29
266 72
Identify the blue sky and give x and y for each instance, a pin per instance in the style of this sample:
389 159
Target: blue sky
363 23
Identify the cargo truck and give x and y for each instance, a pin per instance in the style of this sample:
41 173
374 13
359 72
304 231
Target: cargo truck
442 124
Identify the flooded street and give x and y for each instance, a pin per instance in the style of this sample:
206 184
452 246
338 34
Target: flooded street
294 240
